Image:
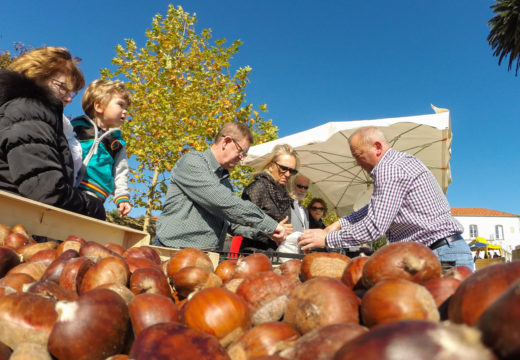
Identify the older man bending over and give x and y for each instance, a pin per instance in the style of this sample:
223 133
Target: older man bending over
407 205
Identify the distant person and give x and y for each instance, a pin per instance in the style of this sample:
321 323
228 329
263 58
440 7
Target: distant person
299 186
317 209
105 163
407 205
268 191
201 207
35 158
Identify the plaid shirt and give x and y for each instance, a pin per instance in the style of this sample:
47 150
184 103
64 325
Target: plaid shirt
407 205
201 206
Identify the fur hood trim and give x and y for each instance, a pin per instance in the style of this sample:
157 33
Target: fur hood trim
15 85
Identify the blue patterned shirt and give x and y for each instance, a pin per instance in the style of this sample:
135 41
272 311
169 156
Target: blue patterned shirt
407 205
201 206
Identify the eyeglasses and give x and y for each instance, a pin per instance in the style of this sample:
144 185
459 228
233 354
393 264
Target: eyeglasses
241 151
317 208
63 89
284 169
299 186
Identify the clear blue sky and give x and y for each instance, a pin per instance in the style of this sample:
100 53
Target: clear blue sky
320 61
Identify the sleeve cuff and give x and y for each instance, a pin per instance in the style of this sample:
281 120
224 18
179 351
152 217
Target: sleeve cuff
268 225
333 240
121 199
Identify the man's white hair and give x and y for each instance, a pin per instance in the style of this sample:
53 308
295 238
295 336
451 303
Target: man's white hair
368 135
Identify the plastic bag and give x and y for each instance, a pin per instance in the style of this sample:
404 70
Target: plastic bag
290 245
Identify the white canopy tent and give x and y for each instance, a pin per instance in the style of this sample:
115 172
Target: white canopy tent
326 159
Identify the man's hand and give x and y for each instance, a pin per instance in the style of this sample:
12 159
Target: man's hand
312 238
279 234
124 208
288 227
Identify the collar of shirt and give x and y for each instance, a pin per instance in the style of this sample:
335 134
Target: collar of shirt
388 153
215 165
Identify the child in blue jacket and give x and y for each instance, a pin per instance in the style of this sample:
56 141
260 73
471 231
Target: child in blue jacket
105 163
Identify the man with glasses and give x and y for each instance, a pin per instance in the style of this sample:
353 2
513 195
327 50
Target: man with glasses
299 213
201 207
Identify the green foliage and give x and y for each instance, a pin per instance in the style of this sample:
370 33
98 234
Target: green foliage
504 36
6 57
330 217
183 91
134 223
379 243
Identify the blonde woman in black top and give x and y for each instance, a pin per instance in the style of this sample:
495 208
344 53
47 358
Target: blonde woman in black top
268 191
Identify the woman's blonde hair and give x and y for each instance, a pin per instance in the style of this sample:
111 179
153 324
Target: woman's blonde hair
44 63
274 156
101 91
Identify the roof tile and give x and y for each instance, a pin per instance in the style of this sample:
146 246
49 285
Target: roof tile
479 212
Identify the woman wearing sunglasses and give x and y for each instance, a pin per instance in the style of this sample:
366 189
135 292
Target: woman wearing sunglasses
35 158
317 209
268 192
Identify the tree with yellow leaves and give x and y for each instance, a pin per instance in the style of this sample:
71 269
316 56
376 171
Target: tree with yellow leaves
182 93
6 57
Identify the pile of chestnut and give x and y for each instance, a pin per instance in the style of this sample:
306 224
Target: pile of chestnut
78 299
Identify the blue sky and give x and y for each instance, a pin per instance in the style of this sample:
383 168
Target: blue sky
320 61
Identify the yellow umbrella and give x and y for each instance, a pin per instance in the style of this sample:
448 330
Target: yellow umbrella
481 244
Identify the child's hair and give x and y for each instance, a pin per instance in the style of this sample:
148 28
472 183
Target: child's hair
44 63
102 91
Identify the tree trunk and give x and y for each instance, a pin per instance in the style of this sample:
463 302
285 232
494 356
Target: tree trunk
151 195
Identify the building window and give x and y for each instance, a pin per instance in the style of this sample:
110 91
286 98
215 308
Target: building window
473 231
499 232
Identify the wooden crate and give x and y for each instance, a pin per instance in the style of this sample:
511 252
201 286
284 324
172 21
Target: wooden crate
55 223
58 224
516 253
480 263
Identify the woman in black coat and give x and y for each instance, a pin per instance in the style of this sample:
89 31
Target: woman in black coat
35 160
268 192
317 210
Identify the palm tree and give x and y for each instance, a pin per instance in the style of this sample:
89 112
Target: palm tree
504 36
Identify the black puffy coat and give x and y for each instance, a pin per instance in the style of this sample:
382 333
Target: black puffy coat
35 160
274 200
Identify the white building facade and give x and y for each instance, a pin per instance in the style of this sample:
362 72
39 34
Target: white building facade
497 227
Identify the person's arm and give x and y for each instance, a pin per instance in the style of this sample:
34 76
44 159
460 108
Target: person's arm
36 165
204 189
385 203
258 195
335 226
121 193
278 235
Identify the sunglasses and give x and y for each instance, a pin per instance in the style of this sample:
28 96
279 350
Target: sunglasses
317 208
299 186
285 169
